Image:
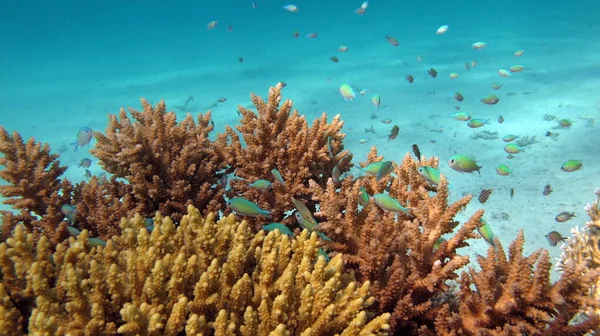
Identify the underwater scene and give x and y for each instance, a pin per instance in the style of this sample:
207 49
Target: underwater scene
306 167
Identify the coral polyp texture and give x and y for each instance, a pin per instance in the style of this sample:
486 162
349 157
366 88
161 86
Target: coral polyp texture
200 277
152 258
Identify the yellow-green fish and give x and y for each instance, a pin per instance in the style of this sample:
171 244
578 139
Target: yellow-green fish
376 101
363 197
347 92
385 169
509 137
244 207
388 203
513 149
476 123
565 123
489 99
464 164
305 223
261 185
279 226
73 231
303 211
277 176
462 116
96 242
373 168
503 170
430 174
437 244
322 253
485 231
571 166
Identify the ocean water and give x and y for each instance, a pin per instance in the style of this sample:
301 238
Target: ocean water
68 64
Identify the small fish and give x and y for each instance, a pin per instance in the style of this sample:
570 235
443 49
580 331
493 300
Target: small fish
513 148
363 196
386 121
430 175
416 151
496 86
361 10
485 230
240 59
335 174
385 169
462 116
565 123
432 72
329 148
222 100
467 66
484 195
464 164
69 211
517 68
363 92
312 35
376 101
279 226
519 52
84 136
296 34
309 224
363 141
282 84
334 59
88 174
347 92
261 185
504 73
512 193
342 48
476 123
510 156
73 231
277 175
554 238
548 133
244 207
230 29
409 78
211 25
438 243
254 5
291 8
96 242
479 45
503 170
85 163
394 133
489 99
388 203
304 211
509 137
571 166
547 190
323 254
458 96
473 63
500 119
392 40
564 216
453 75
373 168
442 29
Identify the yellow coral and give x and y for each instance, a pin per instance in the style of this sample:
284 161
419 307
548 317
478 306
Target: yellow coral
199 277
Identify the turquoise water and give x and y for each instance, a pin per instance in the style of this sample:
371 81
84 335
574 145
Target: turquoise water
65 65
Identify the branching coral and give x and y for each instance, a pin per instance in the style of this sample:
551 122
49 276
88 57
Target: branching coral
396 251
202 277
274 137
35 187
168 164
513 294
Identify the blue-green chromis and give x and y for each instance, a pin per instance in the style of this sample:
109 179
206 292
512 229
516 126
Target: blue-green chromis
244 207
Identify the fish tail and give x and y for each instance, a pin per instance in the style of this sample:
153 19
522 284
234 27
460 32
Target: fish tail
74 144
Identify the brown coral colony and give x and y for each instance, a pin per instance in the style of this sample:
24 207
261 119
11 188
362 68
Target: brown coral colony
392 270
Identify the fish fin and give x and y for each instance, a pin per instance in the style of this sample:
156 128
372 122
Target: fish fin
74 144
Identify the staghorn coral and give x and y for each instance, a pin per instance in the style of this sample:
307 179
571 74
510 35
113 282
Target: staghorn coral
274 137
35 188
202 277
513 295
395 252
168 164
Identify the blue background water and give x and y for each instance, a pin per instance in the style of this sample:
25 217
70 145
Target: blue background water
67 64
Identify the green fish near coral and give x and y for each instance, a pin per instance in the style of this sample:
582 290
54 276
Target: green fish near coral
503 170
322 253
309 224
96 242
571 166
261 185
388 203
363 196
476 123
437 244
385 169
277 176
373 168
485 231
279 226
513 149
244 207
464 164
430 175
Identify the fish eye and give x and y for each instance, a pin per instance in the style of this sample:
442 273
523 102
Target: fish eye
452 161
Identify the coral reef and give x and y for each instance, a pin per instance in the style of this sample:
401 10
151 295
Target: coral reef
275 137
202 277
34 187
513 295
485 135
395 251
